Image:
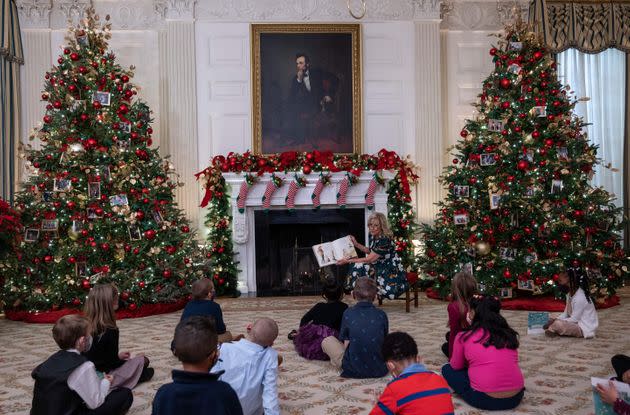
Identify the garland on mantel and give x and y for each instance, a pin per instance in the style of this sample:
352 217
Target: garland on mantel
218 219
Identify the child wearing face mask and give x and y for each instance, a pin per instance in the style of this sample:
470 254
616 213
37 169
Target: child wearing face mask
415 389
195 390
100 309
67 382
579 318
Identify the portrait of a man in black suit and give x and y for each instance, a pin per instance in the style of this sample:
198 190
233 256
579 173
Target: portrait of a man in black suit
306 92
311 97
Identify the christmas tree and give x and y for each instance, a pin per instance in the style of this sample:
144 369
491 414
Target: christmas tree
520 207
99 203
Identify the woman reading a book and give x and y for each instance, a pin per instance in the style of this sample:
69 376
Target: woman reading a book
381 262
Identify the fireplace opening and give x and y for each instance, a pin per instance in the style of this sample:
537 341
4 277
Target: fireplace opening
285 263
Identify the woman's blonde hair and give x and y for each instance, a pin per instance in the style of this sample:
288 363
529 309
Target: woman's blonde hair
99 307
379 218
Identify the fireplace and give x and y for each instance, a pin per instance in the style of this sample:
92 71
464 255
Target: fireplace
253 230
285 263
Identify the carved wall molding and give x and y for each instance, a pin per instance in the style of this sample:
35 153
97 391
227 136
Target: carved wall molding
34 14
481 15
314 10
176 9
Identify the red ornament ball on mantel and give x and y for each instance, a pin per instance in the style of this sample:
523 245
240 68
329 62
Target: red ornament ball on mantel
306 169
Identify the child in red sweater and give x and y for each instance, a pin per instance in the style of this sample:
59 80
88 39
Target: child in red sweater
415 389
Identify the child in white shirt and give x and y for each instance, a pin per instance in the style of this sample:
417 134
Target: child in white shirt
579 318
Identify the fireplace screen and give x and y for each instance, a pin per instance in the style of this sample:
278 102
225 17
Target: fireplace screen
285 263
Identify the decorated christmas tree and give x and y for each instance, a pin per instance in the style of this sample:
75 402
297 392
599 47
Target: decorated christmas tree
99 202
520 206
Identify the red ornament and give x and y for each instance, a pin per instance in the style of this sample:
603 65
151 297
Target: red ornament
505 83
306 169
72 260
181 283
535 134
48 258
57 104
139 215
538 54
74 56
124 78
98 211
455 161
76 302
71 204
167 274
123 109
185 229
86 284
105 246
96 104
133 307
47 119
522 165
463 133
505 105
149 234
507 273
493 51
142 284
124 295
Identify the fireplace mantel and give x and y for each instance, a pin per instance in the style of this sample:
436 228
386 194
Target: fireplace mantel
243 223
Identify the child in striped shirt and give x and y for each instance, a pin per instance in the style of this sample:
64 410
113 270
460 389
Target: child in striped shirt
415 389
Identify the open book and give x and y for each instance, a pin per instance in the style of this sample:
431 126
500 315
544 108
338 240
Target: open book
329 253
601 407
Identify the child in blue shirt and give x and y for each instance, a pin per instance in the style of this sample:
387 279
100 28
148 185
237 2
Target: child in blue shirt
203 304
195 390
363 329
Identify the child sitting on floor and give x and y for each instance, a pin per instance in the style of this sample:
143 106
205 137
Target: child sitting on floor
67 382
251 368
579 318
363 328
195 390
462 290
203 304
415 389
100 309
321 321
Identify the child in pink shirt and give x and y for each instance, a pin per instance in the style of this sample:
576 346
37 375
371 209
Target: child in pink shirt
484 368
462 290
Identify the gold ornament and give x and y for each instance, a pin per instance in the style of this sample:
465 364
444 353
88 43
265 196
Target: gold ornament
73 235
483 248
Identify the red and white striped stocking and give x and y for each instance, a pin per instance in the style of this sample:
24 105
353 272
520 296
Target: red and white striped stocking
269 190
369 196
316 192
290 199
242 196
341 194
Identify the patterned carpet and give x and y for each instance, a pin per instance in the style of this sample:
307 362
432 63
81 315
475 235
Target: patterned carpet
557 370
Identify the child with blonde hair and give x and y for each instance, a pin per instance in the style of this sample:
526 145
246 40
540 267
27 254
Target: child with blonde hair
100 309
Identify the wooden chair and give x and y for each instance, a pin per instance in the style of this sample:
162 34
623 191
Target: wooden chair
412 292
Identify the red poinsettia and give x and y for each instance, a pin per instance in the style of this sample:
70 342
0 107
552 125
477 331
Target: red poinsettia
10 226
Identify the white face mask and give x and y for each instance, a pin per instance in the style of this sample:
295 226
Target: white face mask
88 343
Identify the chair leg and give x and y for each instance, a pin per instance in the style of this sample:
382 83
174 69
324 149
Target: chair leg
415 295
407 300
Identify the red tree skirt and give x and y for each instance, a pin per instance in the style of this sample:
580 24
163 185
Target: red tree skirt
49 317
537 303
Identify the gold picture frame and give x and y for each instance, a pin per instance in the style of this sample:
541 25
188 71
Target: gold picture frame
289 114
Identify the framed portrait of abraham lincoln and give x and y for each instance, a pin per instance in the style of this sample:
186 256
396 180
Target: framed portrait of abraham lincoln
306 87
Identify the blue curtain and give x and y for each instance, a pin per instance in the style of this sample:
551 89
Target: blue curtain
11 58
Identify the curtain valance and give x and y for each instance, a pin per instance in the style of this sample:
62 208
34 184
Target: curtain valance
587 25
